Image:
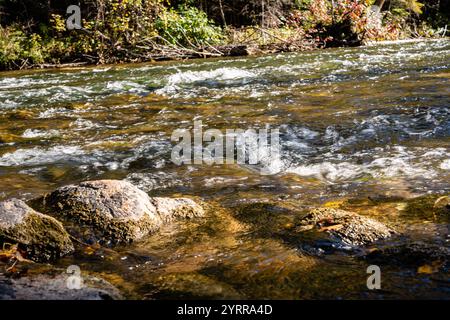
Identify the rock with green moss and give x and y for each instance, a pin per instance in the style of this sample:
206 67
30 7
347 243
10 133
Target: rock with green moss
43 238
336 227
112 211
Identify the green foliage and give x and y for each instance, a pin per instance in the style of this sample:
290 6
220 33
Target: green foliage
187 26
302 4
17 48
413 6
127 30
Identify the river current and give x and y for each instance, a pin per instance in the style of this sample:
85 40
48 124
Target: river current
354 123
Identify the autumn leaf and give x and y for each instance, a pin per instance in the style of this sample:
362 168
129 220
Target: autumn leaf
333 227
425 269
89 250
430 268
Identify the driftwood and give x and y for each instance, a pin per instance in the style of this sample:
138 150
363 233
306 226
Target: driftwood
60 65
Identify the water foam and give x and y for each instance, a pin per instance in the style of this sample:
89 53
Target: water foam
38 156
227 75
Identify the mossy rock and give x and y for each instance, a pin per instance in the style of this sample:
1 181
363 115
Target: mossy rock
112 211
43 238
340 228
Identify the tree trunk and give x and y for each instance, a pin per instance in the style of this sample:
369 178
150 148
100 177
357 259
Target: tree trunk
380 4
222 14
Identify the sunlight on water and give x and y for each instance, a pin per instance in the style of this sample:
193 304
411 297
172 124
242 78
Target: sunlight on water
354 122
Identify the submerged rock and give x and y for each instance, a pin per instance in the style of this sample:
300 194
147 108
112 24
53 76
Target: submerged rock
427 207
341 227
414 254
55 287
190 286
42 237
112 211
442 205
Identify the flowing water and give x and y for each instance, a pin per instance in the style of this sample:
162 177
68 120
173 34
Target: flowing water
354 123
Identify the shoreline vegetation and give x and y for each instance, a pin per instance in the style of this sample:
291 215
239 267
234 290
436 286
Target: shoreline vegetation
34 34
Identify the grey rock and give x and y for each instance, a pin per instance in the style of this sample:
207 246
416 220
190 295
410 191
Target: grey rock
169 209
42 237
112 211
54 287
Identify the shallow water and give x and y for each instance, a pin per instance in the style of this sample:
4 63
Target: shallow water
354 122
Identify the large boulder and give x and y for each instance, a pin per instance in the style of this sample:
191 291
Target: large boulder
42 237
112 211
339 228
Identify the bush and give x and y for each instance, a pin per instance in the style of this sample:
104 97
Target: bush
187 26
18 49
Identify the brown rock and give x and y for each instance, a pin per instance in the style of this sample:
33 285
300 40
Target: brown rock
112 211
345 226
42 237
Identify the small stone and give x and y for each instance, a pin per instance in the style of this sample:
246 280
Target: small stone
42 237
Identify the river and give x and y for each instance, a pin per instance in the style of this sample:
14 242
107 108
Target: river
354 123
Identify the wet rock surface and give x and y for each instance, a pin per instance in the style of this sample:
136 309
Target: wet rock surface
428 207
41 237
112 211
442 205
412 254
339 228
190 286
172 208
318 229
55 287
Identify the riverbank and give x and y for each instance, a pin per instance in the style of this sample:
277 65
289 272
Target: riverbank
132 32
237 50
363 130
